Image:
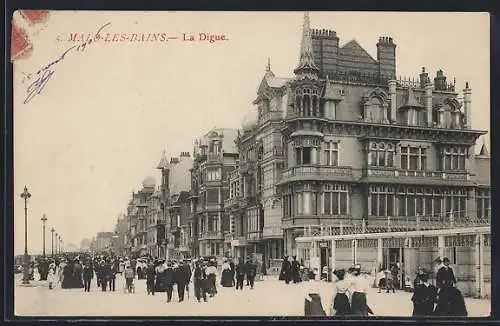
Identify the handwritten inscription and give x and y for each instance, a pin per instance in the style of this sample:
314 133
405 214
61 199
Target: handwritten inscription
39 80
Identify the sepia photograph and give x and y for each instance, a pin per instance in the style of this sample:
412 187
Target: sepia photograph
255 164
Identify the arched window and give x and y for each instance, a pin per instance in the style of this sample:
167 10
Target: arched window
306 105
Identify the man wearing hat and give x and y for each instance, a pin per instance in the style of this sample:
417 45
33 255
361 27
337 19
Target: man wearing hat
424 295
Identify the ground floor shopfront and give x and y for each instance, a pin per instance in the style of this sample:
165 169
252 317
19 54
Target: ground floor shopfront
270 249
469 250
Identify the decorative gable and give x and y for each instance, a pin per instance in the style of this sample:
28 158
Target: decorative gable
353 49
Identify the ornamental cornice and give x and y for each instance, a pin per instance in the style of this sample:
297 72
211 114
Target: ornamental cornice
381 131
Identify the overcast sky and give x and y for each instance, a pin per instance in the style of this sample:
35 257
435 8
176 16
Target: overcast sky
100 124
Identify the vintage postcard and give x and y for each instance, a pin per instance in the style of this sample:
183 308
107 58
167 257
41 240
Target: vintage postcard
275 164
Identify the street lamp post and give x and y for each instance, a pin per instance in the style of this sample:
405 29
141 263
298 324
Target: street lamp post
60 244
52 230
26 195
57 243
44 220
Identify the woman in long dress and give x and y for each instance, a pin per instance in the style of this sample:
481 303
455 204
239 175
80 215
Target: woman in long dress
340 302
226 279
312 304
52 277
358 288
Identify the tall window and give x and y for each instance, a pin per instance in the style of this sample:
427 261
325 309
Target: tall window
335 199
253 220
332 153
413 158
431 202
454 158
214 147
303 155
381 154
213 174
382 200
483 203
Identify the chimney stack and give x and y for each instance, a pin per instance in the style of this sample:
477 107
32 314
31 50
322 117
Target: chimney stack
467 106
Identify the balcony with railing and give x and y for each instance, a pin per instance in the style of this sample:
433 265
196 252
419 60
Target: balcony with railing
254 236
247 201
211 235
316 172
213 206
247 165
270 115
416 176
272 232
228 237
394 224
231 202
215 157
239 241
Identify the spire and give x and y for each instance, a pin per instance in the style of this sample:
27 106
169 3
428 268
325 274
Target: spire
163 161
306 67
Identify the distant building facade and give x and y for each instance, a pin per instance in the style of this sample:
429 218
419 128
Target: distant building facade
178 209
103 241
215 156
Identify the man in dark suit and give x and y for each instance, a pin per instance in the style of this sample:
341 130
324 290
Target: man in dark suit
169 281
240 274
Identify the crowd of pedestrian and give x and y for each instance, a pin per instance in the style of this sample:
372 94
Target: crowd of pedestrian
349 292
161 275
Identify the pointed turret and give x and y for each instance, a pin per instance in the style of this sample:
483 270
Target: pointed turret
306 68
163 161
269 72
